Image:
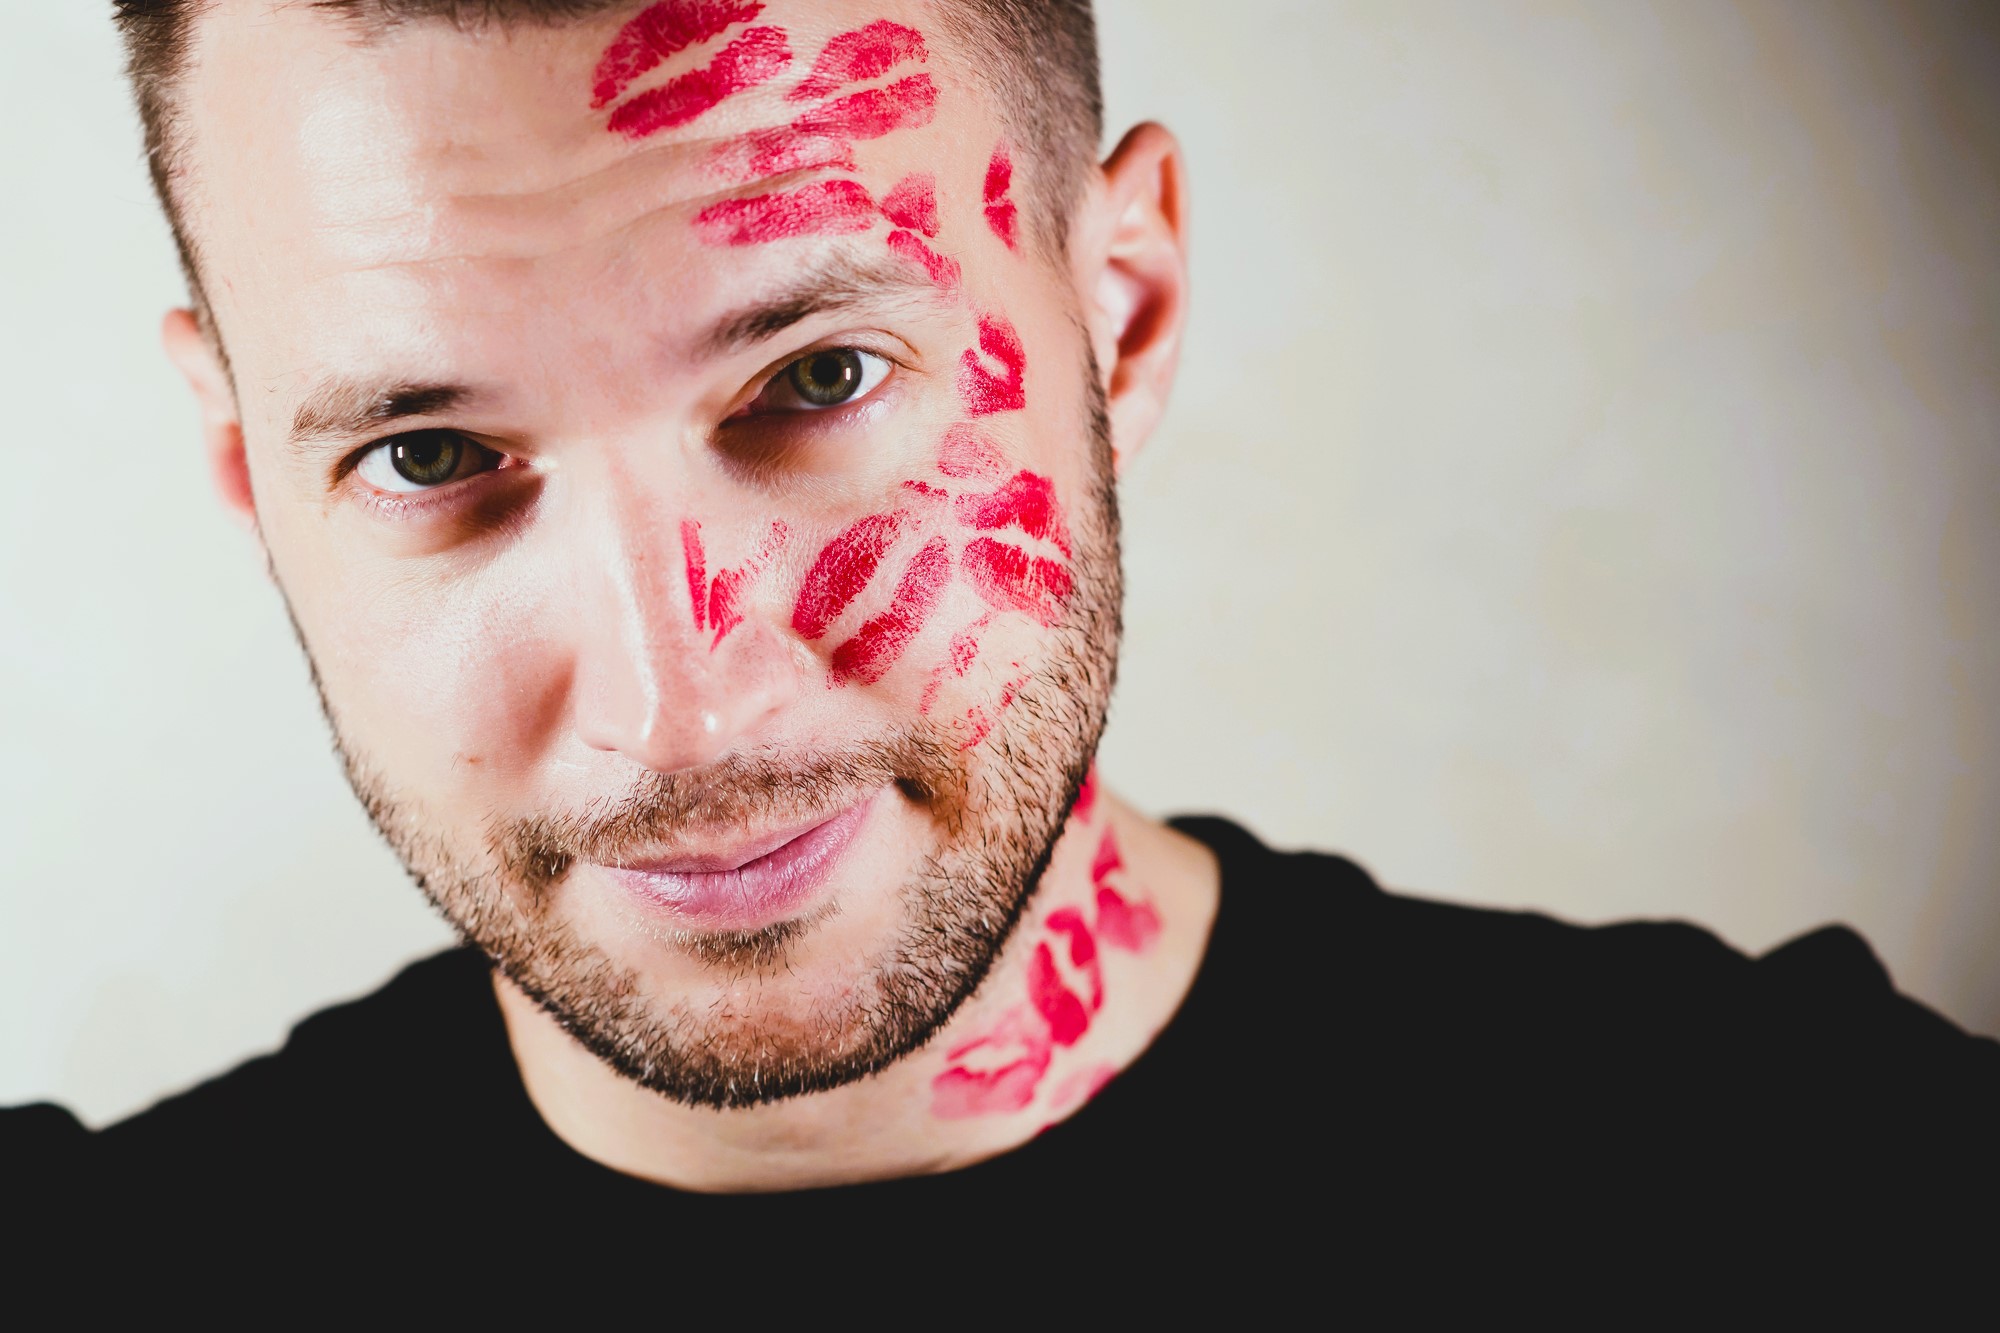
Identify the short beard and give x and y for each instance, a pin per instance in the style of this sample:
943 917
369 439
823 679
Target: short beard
998 820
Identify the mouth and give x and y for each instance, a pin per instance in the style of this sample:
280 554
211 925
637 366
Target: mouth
754 884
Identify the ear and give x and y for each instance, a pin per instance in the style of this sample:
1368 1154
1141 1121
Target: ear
1133 273
195 356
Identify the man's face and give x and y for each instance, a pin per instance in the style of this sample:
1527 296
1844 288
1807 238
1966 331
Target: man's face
689 484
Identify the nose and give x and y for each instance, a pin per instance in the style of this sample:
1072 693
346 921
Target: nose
678 661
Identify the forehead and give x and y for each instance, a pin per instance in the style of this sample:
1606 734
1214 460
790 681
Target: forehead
427 165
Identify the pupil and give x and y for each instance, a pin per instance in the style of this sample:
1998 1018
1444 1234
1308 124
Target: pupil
426 457
828 377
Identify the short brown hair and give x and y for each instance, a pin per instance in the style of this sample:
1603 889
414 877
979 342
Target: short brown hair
1039 57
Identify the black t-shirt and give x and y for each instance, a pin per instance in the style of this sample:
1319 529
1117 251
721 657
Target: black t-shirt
1346 1049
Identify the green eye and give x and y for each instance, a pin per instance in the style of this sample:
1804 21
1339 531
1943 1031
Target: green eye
421 460
828 378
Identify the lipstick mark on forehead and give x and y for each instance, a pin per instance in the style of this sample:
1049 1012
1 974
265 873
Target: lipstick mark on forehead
941 270
1000 212
983 391
758 55
823 208
658 32
907 104
864 53
912 203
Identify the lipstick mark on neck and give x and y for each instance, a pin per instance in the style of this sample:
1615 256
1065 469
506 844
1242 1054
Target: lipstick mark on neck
758 55
983 391
864 53
1000 212
658 32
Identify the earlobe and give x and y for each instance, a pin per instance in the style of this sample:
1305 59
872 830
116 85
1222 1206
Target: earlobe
1137 281
221 424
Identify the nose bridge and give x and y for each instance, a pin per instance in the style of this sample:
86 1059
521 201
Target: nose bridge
674 666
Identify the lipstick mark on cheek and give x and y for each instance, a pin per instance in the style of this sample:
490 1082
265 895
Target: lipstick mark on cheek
1028 502
967 452
725 595
984 392
865 53
824 208
1000 212
697 570
758 55
875 647
660 31
842 571
1009 579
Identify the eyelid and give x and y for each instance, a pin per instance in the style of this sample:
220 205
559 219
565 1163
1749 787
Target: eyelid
865 344
350 464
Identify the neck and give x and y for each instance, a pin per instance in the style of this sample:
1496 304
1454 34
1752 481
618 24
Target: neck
1104 955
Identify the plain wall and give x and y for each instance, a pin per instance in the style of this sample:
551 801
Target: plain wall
1581 493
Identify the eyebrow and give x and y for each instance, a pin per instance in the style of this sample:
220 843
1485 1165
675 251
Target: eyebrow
842 281
340 409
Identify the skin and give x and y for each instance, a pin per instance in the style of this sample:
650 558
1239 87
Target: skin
442 207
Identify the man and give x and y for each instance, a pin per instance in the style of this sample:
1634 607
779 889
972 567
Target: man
686 437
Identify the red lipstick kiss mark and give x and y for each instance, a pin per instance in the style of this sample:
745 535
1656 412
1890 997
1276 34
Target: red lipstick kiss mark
912 203
1010 579
875 647
1069 922
983 391
966 452
842 571
1124 924
963 1091
697 569
999 208
1079 1088
658 32
1054 1001
765 153
942 272
977 727
1086 797
725 595
959 657
865 53
823 208
1107 859
907 104
1027 501
759 54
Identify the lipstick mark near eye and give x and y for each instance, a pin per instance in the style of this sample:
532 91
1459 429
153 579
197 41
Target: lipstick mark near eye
843 570
658 32
943 272
968 452
984 392
912 203
864 53
1009 579
875 647
1027 501
823 208
758 55
999 180
718 604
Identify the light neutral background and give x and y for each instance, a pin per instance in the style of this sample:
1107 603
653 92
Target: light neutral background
1581 494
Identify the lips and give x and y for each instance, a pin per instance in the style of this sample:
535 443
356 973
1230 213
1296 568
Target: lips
751 885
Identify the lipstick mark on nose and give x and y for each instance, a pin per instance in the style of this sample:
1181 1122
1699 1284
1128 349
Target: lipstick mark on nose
842 571
999 180
658 32
718 604
758 55
865 53
823 208
983 391
875 647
